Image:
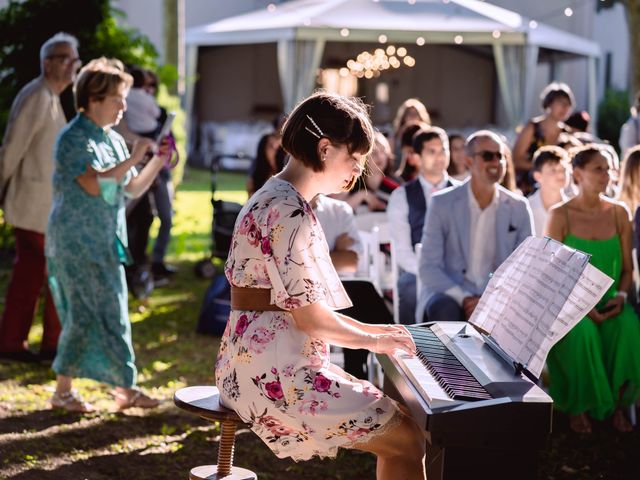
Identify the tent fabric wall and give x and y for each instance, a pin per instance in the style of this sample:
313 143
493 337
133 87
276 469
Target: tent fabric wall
301 27
513 66
298 63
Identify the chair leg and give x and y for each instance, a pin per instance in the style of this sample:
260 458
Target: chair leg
226 447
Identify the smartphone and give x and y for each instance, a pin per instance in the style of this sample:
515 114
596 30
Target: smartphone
166 127
606 308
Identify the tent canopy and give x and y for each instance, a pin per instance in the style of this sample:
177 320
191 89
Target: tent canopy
437 21
301 29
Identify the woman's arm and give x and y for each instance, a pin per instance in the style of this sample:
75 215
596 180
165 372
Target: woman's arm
626 275
556 226
318 321
89 179
140 183
521 158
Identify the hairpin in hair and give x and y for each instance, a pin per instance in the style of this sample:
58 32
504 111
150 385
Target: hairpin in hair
315 125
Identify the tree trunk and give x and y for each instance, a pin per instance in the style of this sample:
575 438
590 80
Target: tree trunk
633 21
171 49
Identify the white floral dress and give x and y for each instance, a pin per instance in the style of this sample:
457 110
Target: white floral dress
277 378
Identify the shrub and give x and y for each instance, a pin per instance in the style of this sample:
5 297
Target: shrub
613 111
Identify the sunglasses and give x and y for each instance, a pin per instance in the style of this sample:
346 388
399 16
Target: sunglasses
488 155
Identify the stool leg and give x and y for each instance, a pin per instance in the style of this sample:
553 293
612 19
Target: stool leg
225 448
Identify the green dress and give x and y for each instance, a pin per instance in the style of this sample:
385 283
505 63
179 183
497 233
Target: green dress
590 364
84 246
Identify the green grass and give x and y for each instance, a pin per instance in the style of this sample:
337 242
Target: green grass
37 443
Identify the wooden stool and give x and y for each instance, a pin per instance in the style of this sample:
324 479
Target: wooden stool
205 402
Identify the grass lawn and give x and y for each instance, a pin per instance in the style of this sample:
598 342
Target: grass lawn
37 443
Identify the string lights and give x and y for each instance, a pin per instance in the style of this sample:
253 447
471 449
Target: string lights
370 65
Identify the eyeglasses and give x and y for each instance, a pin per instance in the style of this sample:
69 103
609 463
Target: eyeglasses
488 155
66 60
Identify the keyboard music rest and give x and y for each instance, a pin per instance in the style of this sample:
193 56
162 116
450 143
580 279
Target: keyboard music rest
500 435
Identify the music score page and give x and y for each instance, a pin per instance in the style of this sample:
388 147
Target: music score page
536 296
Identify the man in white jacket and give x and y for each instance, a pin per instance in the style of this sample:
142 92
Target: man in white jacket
26 168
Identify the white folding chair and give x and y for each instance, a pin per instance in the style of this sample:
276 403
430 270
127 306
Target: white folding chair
366 221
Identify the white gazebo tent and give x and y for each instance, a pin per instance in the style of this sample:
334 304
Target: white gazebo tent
302 27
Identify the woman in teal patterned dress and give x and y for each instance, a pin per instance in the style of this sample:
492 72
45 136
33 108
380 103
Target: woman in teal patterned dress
595 369
86 239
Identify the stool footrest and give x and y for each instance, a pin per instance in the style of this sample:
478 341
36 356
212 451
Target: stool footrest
210 472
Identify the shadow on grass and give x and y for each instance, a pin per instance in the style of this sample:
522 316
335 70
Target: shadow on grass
36 421
182 452
105 433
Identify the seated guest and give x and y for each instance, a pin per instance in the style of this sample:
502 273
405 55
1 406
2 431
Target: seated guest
409 161
408 207
412 110
551 172
269 161
630 188
457 166
373 189
339 226
338 223
469 231
594 370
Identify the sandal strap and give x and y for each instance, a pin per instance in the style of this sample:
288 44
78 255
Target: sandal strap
68 397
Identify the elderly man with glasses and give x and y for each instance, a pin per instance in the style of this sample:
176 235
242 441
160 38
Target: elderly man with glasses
469 231
26 168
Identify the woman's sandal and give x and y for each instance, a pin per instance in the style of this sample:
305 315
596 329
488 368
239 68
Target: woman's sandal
580 423
137 399
71 401
620 422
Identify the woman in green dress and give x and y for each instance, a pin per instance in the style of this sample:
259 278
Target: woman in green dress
86 239
595 369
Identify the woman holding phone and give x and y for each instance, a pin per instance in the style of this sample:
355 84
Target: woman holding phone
86 239
595 369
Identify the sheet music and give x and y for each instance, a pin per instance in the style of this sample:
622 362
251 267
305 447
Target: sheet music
536 296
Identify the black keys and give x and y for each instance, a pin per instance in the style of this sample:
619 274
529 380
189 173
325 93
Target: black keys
452 376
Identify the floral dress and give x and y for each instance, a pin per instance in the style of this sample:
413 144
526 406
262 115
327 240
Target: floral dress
276 377
85 246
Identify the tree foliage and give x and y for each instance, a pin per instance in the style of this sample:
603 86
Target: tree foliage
26 25
613 111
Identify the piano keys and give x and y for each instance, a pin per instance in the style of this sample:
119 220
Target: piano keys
478 415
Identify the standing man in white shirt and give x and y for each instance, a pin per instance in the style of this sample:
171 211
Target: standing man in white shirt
470 230
551 173
26 169
407 209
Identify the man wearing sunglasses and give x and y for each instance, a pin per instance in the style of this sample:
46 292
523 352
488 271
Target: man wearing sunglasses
26 168
469 231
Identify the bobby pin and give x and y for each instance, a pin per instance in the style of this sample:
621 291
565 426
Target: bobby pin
312 132
316 127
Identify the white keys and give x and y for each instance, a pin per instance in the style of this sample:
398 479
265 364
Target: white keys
423 381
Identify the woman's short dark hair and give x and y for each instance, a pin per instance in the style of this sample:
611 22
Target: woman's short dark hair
580 157
98 79
553 92
341 120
